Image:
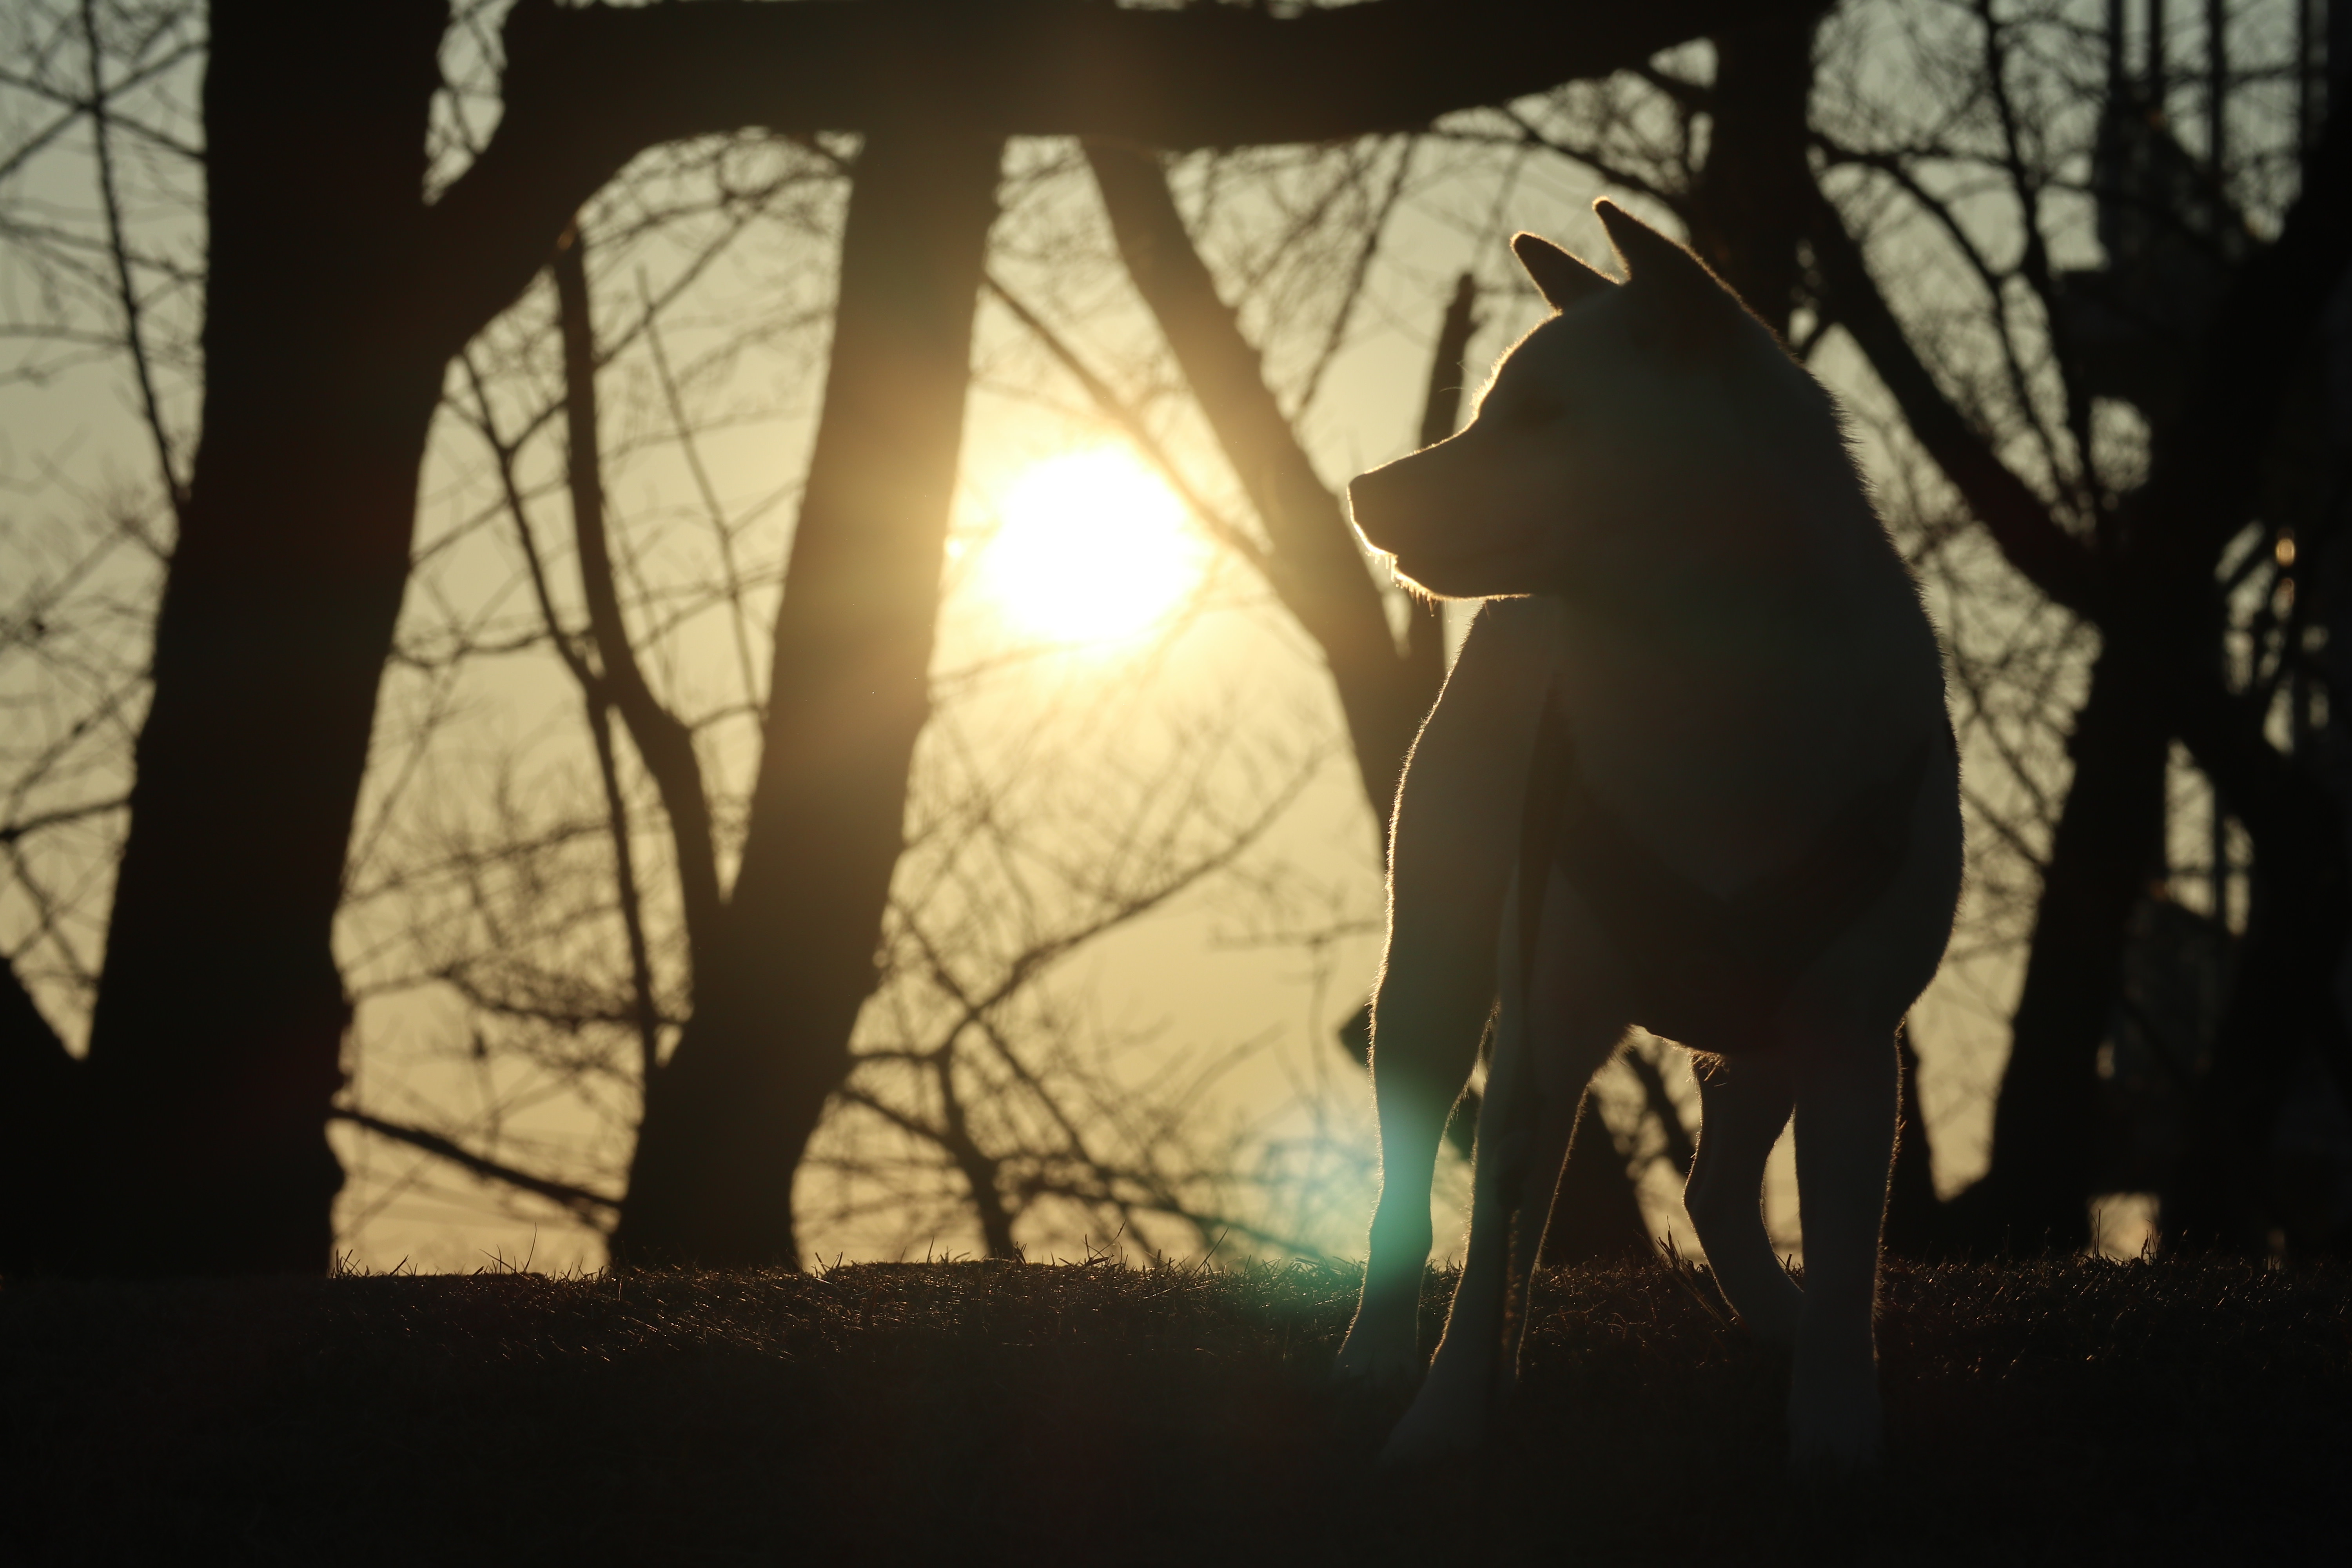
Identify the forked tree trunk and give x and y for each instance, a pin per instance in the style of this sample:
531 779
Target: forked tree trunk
727 1119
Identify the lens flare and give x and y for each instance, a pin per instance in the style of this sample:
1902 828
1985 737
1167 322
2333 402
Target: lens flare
1091 547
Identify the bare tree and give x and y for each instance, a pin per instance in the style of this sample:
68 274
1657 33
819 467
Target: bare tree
1023 1144
329 323
2143 552
103 274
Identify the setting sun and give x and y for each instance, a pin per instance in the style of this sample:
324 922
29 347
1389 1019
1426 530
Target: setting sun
1091 547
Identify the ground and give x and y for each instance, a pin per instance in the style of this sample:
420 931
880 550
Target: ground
2074 1412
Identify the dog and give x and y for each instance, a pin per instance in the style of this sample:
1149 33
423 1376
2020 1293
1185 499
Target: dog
1692 772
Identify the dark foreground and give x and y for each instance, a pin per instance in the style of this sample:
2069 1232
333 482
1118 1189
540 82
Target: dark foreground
2059 1413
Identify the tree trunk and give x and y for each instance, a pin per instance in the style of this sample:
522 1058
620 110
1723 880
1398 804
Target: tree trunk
1315 566
215 1045
728 1117
1747 207
2226 1194
1449 369
2037 1192
40 1134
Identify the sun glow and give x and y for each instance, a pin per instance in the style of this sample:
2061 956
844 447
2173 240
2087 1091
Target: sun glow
1092 547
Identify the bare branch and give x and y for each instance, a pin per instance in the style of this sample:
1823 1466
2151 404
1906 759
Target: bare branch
126 284
594 1208
692 451
588 88
1129 421
40 822
663 739
1317 568
2018 518
2026 184
1375 229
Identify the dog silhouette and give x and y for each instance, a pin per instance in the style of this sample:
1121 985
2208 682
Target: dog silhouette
1692 772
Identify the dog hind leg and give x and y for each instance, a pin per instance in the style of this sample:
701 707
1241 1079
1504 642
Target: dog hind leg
1575 1025
1536 1183
1744 1103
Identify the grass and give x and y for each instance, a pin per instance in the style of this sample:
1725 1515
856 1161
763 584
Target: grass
2074 1412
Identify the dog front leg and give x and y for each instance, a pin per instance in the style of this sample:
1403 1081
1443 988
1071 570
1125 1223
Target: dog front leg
1845 1145
1449 1415
1455 846
1744 1103
1422 1059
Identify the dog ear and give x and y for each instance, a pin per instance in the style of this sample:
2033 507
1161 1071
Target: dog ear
1658 267
1560 278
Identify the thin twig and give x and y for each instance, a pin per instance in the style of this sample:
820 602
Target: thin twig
126 285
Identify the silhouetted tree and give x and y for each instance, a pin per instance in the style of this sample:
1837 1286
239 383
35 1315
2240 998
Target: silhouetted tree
340 285
2141 556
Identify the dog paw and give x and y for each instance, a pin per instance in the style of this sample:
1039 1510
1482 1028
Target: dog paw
1834 1438
1382 1350
1443 1423
1374 1360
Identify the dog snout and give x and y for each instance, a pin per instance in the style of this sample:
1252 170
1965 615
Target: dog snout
1382 504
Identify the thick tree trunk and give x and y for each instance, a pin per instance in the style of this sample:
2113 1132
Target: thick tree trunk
2226 1193
215 1046
728 1117
2218 1197
40 1134
2037 1191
